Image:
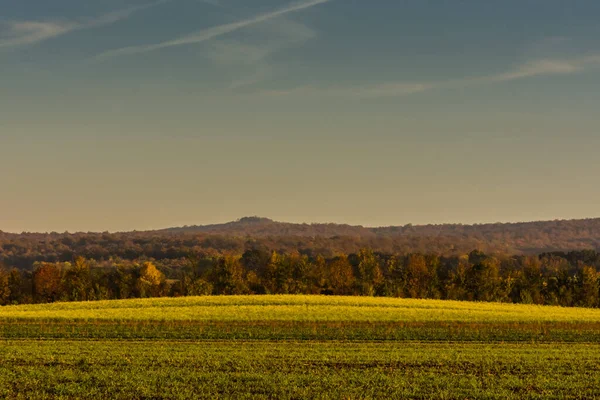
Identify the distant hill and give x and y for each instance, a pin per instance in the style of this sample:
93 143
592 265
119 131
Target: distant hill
522 237
22 250
265 227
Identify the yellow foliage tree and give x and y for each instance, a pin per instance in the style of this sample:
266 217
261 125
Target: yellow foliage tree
150 280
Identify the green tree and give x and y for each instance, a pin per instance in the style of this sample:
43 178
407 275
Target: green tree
190 286
455 284
277 274
369 273
483 280
228 276
531 282
300 269
77 283
588 278
122 282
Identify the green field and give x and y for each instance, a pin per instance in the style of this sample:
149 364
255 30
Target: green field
298 347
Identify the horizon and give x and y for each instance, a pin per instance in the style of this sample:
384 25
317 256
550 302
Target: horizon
304 223
115 118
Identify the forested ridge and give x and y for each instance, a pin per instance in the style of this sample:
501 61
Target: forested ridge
521 237
542 262
328 240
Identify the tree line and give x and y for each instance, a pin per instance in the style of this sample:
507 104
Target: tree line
566 279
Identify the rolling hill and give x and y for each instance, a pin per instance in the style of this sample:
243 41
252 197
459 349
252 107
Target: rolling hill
522 236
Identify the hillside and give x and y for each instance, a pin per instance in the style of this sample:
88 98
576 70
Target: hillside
22 250
300 308
522 237
264 227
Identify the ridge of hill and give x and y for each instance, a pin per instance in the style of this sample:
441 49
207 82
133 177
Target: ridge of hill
22 250
263 227
588 229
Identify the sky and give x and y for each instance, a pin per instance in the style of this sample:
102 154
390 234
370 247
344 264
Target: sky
120 115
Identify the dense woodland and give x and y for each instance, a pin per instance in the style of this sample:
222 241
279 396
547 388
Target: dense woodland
567 279
542 262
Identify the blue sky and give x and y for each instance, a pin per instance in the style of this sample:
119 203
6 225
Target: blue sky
129 114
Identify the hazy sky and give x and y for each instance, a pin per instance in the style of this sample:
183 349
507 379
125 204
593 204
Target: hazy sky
131 114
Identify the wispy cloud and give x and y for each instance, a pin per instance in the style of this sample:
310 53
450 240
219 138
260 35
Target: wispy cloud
536 68
22 33
544 67
210 33
250 60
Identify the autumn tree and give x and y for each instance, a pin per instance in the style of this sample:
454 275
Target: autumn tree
531 281
589 288
417 276
340 276
319 276
150 281
47 281
4 286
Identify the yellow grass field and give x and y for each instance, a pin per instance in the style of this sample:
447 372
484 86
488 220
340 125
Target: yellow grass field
299 308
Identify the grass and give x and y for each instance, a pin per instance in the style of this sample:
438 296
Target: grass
297 347
299 308
286 370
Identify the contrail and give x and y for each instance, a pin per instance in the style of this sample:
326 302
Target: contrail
210 33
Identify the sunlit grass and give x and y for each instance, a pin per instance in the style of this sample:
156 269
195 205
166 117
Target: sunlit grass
298 308
298 347
296 370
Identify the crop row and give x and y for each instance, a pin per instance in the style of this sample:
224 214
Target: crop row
303 330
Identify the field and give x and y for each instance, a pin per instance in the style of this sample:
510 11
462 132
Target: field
298 347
